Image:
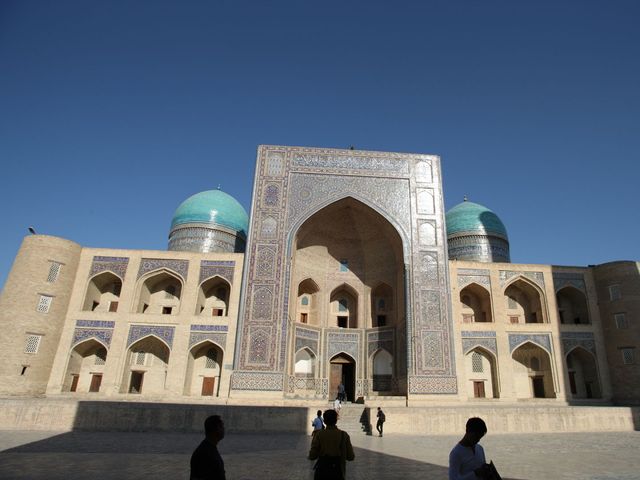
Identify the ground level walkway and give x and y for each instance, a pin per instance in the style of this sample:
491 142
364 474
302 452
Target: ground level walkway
119 456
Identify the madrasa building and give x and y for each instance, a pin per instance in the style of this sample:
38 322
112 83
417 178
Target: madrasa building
347 270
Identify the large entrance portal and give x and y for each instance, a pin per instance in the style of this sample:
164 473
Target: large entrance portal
343 369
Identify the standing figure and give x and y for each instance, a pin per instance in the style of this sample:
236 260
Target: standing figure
342 394
332 448
206 462
337 406
381 419
467 460
317 423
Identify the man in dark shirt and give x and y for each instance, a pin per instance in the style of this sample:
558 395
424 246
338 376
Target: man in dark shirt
206 462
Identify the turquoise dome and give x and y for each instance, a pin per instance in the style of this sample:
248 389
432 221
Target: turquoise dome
469 217
214 207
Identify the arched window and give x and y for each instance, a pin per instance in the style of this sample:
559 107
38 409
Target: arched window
304 301
476 362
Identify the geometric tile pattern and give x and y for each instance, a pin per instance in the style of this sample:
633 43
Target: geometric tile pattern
211 268
178 266
219 339
472 334
338 342
571 340
471 343
96 323
541 339
433 385
561 280
260 381
163 332
382 339
117 265
103 335
535 277
467 276
209 328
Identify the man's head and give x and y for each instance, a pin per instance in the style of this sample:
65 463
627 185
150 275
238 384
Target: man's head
379 409
476 429
214 428
319 413
330 417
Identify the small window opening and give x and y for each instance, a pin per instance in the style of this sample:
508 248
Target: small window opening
167 310
113 306
342 322
382 320
217 312
303 317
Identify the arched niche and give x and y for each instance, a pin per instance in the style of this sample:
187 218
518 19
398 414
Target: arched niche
382 308
145 369
583 374
482 374
308 302
348 242
475 303
572 306
213 298
305 363
159 293
532 372
103 293
204 370
382 368
343 309
85 367
342 368
524 302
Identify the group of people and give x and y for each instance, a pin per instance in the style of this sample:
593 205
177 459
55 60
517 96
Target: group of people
331 448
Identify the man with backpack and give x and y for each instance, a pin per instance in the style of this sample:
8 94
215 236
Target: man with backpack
381 420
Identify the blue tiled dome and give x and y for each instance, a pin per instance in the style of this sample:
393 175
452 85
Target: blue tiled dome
214 207
469 217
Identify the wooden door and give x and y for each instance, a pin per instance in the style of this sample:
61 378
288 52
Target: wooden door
478 390
96 380
74 383
208 384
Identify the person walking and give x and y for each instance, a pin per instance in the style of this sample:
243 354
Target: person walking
206 462
381 419
342 393
467 460
317 423
332 449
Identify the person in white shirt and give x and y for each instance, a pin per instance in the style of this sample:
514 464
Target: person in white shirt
317 423
467 460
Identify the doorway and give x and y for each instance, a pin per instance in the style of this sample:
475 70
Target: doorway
343 369
96 381
538 387
208 384
136 382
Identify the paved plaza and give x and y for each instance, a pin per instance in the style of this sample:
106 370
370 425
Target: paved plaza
111 455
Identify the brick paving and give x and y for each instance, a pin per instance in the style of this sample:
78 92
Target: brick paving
116 455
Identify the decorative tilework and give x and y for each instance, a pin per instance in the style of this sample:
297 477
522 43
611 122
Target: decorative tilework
307 333
103 335
482 280
262 303
373 346
419 384
96 323
269 227
259 344
275 163
163 332
561 280
362 387
377 335
350 162
487 343
430 307
312 345
427 234
431 342
424 172
209 328
147 265
517 339
322 387
117 265
429 267
338 342
271 195
481 272
535 277
211 268
571 340
219 339
261 381
474 334
265 261
424 202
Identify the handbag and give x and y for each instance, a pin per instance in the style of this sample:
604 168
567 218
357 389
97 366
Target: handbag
330 467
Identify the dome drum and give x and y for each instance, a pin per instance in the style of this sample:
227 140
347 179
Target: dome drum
205 238
477 248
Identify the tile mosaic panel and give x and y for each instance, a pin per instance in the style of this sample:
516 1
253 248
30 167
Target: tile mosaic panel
357 162
362 387
429 268
348 343
427 234
260 348
301 383
260 381
474 334
571 340
432 353
265 262
576 280
424 172
219 339
535 277
211 268
180 267
517 339
209 328
275 164
117 265
487 343
419 384
96 323
375 345
163 332
322 387
103 335
269 227
262 302
430 307
307 343
307 333
482 280
425 201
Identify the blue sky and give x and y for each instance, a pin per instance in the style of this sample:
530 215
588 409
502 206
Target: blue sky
112 113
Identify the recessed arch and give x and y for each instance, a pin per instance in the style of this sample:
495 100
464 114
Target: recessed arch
342 369
145 366
572 306
532 371
308 302
343 307
475 304
382 370
305 362
582 370
481 366
85 366
159 292
204 369
382 305
103 292
213 297
524 301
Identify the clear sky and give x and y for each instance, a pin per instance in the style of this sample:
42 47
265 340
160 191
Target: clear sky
113 112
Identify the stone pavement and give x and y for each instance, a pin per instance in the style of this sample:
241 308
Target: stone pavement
117 455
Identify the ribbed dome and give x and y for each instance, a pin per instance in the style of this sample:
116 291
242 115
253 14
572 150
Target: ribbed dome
469 217
213 207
